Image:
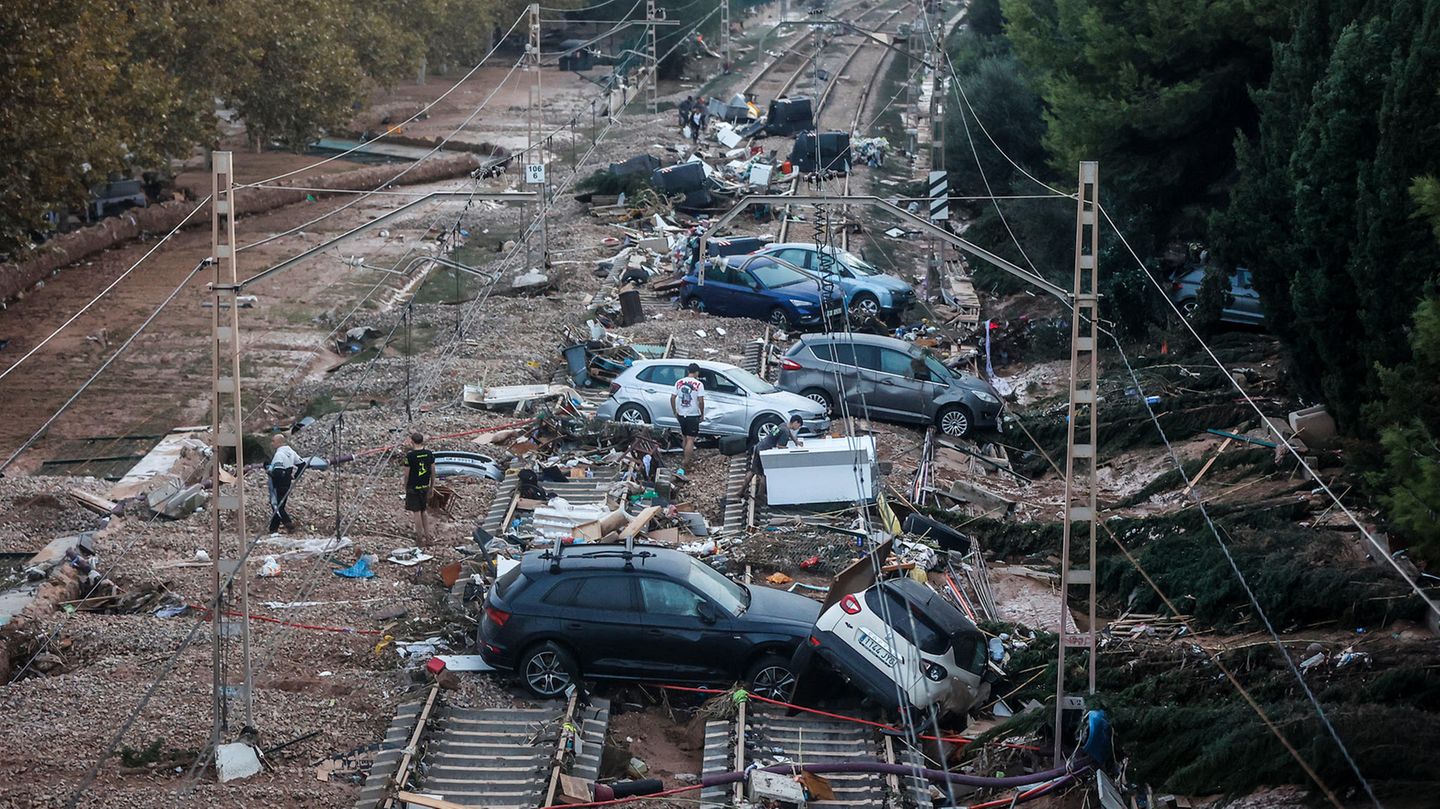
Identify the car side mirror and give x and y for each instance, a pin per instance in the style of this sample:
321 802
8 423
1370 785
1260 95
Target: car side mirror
705 611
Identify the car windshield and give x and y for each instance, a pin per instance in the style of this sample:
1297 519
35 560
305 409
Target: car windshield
857 265
938 371
774 276
730 596
750 382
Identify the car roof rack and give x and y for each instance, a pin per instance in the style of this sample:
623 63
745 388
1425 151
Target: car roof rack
628 553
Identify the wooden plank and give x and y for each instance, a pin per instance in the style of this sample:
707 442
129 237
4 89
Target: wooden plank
510 512
93 502
639 521
575 790
427 801
1206 467
560 751
402 773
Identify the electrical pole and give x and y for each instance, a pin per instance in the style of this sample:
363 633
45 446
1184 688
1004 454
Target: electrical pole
651 51
1080 445
227 434
725 34
534 135
937 146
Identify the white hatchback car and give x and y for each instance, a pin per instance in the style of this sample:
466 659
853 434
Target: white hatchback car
737 402
928 653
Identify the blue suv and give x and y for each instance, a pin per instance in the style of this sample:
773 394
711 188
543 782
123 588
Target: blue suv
868 291
761 288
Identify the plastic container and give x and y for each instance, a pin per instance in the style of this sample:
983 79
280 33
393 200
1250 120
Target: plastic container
575 364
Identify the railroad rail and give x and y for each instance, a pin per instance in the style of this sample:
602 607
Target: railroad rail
821 106
766 736
794 51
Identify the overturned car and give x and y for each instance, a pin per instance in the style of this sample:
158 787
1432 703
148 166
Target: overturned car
902 645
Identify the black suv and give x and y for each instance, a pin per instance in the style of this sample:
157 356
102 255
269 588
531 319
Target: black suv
646 613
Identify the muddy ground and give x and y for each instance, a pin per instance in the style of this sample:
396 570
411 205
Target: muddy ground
342 678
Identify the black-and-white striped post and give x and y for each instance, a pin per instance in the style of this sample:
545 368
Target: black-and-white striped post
939 197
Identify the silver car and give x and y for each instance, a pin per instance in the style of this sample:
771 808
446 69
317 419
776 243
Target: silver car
1242 304
737 402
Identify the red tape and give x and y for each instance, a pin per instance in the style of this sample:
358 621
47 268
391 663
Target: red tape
842 717
512 425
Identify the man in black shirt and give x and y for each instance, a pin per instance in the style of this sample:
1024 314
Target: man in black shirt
779 439
420 463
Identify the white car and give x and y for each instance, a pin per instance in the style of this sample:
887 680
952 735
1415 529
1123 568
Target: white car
928 653
737 402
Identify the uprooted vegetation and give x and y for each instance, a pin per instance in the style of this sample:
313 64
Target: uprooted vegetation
1300 576
1185 726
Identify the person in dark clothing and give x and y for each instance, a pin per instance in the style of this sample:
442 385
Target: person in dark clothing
284 470
685 107
697 124
530 487
779 439
420 463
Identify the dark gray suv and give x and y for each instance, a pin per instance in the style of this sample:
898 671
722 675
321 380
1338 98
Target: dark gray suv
891 379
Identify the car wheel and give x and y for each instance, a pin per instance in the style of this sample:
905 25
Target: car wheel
820 397
632 414
779 319
694 304
955 421
1188 307
865 305
771 677
768 424
547 670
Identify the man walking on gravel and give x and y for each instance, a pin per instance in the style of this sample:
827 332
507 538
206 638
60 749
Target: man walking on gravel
285 468
687 402
420 465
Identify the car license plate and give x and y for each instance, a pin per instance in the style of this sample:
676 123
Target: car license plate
836 312
872 645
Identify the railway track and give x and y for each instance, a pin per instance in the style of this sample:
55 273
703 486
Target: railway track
822 105
505 758
779 75
512 757
770 737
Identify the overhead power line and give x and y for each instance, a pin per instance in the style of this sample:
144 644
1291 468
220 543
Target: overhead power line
1280 439
27 355
89 779
266 182
422 111
1244 583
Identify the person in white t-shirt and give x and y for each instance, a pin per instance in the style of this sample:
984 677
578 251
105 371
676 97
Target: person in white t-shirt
687 401
284 469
